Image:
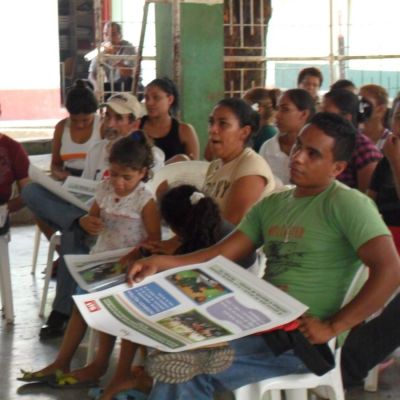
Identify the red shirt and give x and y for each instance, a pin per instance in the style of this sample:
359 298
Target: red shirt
14 164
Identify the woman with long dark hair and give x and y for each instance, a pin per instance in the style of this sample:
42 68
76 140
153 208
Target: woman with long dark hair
176 139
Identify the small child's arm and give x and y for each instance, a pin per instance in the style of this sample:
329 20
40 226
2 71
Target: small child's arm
152 221
91 222
152 224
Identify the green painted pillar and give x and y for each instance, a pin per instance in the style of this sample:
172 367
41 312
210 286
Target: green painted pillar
164 43
202 59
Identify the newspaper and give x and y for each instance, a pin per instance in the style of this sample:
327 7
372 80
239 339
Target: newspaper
83 189
97 271
189 307
77 191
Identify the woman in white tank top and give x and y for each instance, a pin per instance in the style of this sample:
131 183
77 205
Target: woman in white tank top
74 135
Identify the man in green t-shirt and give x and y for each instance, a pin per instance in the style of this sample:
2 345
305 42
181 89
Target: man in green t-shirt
315 237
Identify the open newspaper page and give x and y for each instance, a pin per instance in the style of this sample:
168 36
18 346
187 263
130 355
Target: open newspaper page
37 175
97 271
190 307
83 189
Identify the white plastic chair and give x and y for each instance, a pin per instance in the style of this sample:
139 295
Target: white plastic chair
371 381
36 245
188 172
296 385
5 279
91 345
54 241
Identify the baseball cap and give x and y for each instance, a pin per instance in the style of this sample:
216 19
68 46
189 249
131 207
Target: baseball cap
124 103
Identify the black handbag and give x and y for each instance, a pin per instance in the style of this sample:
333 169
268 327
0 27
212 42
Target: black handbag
318 358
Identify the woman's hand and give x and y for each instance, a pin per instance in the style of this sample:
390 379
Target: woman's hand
59 173
91 224
108 48
141 269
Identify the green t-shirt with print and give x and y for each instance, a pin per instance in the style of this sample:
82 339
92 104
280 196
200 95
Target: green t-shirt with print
311 242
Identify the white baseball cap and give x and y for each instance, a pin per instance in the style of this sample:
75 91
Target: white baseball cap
124 103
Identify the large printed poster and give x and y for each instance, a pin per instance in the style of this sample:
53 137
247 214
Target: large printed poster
189 307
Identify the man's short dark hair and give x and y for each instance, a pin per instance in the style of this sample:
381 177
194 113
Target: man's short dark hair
112 24
340 129
343 84
310 71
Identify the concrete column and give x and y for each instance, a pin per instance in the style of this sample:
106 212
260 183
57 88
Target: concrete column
201 56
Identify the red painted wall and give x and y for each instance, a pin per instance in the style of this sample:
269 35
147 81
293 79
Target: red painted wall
31 104
106 11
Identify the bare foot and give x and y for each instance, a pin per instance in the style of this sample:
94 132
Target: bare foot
138 380
90 372
52 368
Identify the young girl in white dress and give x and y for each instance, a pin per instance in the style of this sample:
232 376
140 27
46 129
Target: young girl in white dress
124 213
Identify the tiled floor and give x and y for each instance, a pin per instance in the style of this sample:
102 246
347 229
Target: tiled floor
20 347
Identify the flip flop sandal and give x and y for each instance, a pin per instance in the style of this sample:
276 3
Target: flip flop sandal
182 366
29 376
66 381
131 394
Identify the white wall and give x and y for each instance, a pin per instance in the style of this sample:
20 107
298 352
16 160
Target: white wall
29 44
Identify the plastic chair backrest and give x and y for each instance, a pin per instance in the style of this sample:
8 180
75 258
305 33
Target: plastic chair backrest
189 172
357 282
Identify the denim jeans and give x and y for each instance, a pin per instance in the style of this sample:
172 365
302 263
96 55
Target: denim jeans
61 216
253 362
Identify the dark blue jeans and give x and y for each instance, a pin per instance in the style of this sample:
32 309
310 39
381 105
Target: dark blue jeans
61 216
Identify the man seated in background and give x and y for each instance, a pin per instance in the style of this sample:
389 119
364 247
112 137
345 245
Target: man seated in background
310 79
14 164
118 73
